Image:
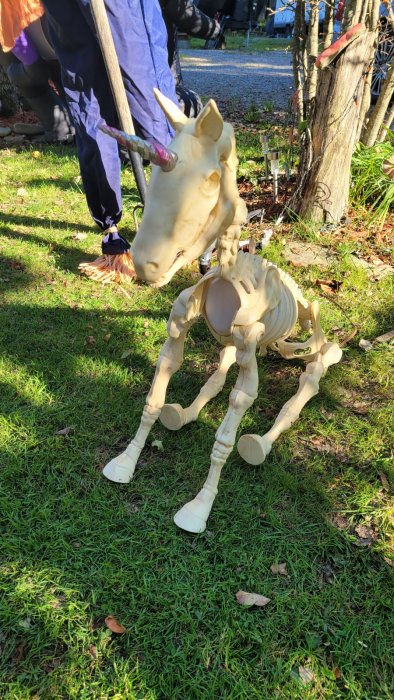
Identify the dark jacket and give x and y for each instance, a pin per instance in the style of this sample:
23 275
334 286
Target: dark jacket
185 16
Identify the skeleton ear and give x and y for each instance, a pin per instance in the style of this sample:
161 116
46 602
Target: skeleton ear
174 115
209 122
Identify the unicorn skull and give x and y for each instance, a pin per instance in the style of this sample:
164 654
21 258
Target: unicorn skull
194 203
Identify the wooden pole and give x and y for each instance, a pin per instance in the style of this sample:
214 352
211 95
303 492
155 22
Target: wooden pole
108 50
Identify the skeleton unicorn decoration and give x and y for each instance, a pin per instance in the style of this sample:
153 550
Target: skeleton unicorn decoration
248 303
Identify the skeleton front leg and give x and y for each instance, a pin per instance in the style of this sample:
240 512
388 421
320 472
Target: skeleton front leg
174 417
184 311
254 448
193 516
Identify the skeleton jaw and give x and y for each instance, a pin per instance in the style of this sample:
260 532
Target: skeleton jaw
187 257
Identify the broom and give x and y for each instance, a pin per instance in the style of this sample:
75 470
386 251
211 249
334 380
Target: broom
114 268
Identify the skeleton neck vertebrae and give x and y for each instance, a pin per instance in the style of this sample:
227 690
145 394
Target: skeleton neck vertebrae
247 302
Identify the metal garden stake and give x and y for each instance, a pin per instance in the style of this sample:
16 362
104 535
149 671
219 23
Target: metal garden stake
273 157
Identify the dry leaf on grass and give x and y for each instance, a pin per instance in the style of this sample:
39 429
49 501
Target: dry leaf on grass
365 345
385 338
158 444
329 286
306 674
388 167
279 569
249 599
339 521
107 337
366 535
384 481
19 654
78 236
65 431
125 354
93 651
113 624
91 340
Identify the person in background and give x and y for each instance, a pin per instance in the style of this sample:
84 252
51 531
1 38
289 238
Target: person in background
184 15
31 66
141 45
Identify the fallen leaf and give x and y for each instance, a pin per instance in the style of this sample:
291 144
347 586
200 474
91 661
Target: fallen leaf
113 624
91 340
329 286
25 624
58 602
365 345
158 444
306 674
325 574
385 338
249 599
146 324
279 569
19 653
339 521
65 431
76 545
388 167
107 337
388 561
384 481
125 354
36 154
79 236
16 265
366 535
21 192
93 651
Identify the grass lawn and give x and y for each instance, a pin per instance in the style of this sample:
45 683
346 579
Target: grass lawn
236 41
76 548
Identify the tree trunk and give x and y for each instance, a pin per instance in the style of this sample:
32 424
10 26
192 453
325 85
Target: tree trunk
297 56
313 50
322 193
328 26
389 118
378 115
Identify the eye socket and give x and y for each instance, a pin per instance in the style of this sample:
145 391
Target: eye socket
211 182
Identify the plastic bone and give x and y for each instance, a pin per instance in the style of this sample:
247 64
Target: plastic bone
248 303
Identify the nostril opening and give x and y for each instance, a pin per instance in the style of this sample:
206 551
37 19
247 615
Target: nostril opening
152 265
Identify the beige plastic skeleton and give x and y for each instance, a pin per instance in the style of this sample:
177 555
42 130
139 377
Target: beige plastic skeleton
248 304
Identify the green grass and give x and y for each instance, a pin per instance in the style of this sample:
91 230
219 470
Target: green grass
371 187
76 548
236 41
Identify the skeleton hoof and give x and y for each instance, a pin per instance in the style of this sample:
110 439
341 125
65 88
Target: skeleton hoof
189 521
253 448
172 416
120 469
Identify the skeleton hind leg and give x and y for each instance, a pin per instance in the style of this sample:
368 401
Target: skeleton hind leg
254 448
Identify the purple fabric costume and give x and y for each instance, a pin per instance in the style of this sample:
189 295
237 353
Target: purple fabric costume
141 45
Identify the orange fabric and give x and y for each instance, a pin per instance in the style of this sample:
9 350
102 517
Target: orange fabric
16 15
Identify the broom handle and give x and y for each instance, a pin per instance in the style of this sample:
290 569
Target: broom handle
107 46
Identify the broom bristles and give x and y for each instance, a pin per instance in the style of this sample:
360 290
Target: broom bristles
109 269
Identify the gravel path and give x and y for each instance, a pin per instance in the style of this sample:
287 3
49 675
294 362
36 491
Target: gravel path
259 77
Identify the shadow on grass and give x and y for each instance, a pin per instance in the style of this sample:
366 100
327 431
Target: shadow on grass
79 548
